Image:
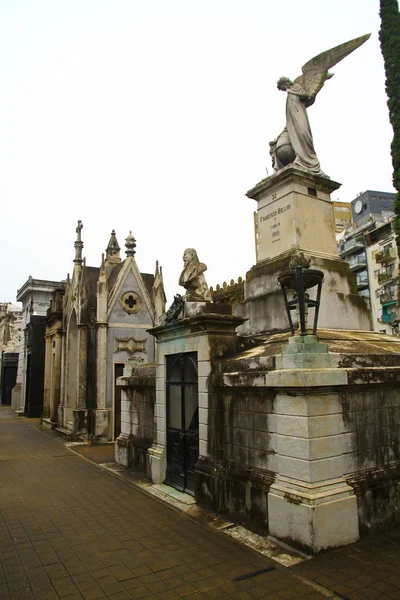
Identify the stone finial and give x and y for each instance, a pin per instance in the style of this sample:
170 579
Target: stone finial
159 298
130 244
113 246
78 244
78 231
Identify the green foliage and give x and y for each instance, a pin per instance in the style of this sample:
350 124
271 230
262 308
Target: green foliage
389 36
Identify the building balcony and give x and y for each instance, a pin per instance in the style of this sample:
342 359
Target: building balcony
351 246
362 282
358 263
386 277
388 298
387 318
386 255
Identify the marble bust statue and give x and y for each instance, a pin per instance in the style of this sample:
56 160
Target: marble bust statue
192 278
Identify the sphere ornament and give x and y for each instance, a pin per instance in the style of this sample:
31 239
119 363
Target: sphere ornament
284 151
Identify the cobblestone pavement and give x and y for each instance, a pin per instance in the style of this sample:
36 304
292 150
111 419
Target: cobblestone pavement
70 530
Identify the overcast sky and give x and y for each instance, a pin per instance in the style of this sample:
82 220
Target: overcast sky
155 116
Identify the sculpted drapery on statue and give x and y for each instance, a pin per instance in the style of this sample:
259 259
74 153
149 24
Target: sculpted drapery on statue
192 278
295 143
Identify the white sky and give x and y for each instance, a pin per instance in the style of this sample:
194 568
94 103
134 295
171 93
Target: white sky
155 116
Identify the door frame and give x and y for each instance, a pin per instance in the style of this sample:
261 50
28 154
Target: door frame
114 365
185 434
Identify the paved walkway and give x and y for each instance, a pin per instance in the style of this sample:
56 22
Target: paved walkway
71 530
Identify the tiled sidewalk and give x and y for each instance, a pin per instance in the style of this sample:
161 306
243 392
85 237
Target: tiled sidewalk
369 569
70 530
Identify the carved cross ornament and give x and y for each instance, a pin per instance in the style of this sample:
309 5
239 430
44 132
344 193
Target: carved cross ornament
131 302
130 345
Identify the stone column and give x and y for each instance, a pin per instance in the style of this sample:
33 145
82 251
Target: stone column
47 376
60 411
16 397
101 365
157 452
123 444
80 412
102 413
82 367
24 369
56 379
310 504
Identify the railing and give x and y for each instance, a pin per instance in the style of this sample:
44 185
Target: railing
359 260
363 280
385 255
386 298
354 243
388 317
384 276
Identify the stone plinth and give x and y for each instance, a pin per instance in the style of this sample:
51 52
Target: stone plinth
101 418
294 213
310 504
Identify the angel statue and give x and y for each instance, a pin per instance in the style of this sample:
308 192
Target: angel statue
295 143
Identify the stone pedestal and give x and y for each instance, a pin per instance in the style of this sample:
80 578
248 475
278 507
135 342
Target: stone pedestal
16 396
123 450
158 462
310 504
80 423
101 425
294 213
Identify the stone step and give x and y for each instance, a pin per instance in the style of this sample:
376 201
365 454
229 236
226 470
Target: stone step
65 433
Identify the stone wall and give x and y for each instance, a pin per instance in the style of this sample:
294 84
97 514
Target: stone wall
371 421
235 479
137 418
309 454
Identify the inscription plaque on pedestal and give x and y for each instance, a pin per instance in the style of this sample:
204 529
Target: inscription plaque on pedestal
294 211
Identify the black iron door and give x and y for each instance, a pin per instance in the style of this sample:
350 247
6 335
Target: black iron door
182 420
9 379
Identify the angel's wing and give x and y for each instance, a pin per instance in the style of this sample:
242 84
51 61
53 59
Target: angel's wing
315 71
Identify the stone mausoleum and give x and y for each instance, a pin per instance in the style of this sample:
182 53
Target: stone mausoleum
282 414
93 330
27 394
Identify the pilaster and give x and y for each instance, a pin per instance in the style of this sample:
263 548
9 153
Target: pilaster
101 365
56 380
47 376
82 367
60 409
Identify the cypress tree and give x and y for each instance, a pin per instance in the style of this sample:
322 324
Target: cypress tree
389 36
